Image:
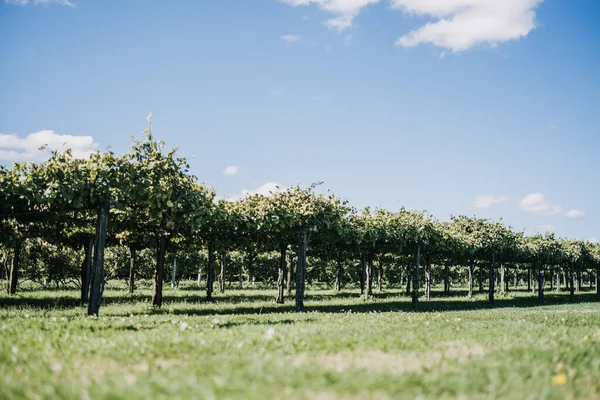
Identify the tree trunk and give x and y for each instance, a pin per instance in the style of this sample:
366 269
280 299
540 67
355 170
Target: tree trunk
506 278
528 279
471 279
598 282
427 278
280 278
290 274
210 275
301 271
338 276
242 274
492 281
571 284
14 268
551 278
379 275
131 269
363 272
502 278
415 279
540 283
556 277
578 282
86 268
161 249
368 276
447 278
222 273
480 278
97 281
409 274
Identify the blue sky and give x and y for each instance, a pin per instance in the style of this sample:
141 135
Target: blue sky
428 104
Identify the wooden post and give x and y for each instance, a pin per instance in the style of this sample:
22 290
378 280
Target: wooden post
290 274
338 276
301 271
161 249
446 277
481 278
540 283
223 273
492 281
14 268
86 268
368 276
427 278
241 275
502 278
379 275
131 269
363 273
471 278
280 277
571 284
210 276
174 274
97 281
415 279
409 274
598 282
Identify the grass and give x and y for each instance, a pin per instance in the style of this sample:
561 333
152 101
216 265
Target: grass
245 346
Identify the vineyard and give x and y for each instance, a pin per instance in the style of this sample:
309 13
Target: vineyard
142 214
402 305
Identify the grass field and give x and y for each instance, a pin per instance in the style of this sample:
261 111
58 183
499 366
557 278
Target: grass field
245 346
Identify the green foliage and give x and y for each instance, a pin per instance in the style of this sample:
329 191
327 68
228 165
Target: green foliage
153 195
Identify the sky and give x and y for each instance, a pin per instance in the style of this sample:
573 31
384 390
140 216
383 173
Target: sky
475 107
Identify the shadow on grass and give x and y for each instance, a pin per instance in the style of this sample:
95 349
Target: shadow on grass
237 302
397 305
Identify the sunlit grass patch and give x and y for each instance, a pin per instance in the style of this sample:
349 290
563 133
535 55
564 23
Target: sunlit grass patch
243 345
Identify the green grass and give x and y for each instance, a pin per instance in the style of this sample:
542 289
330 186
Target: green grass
245 346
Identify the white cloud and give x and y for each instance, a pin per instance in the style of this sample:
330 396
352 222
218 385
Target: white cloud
457 24
266 189
344 10
36 2
536 203
546 228
231 170
462 24
485 201
574 214
289 39
340 23
15 148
